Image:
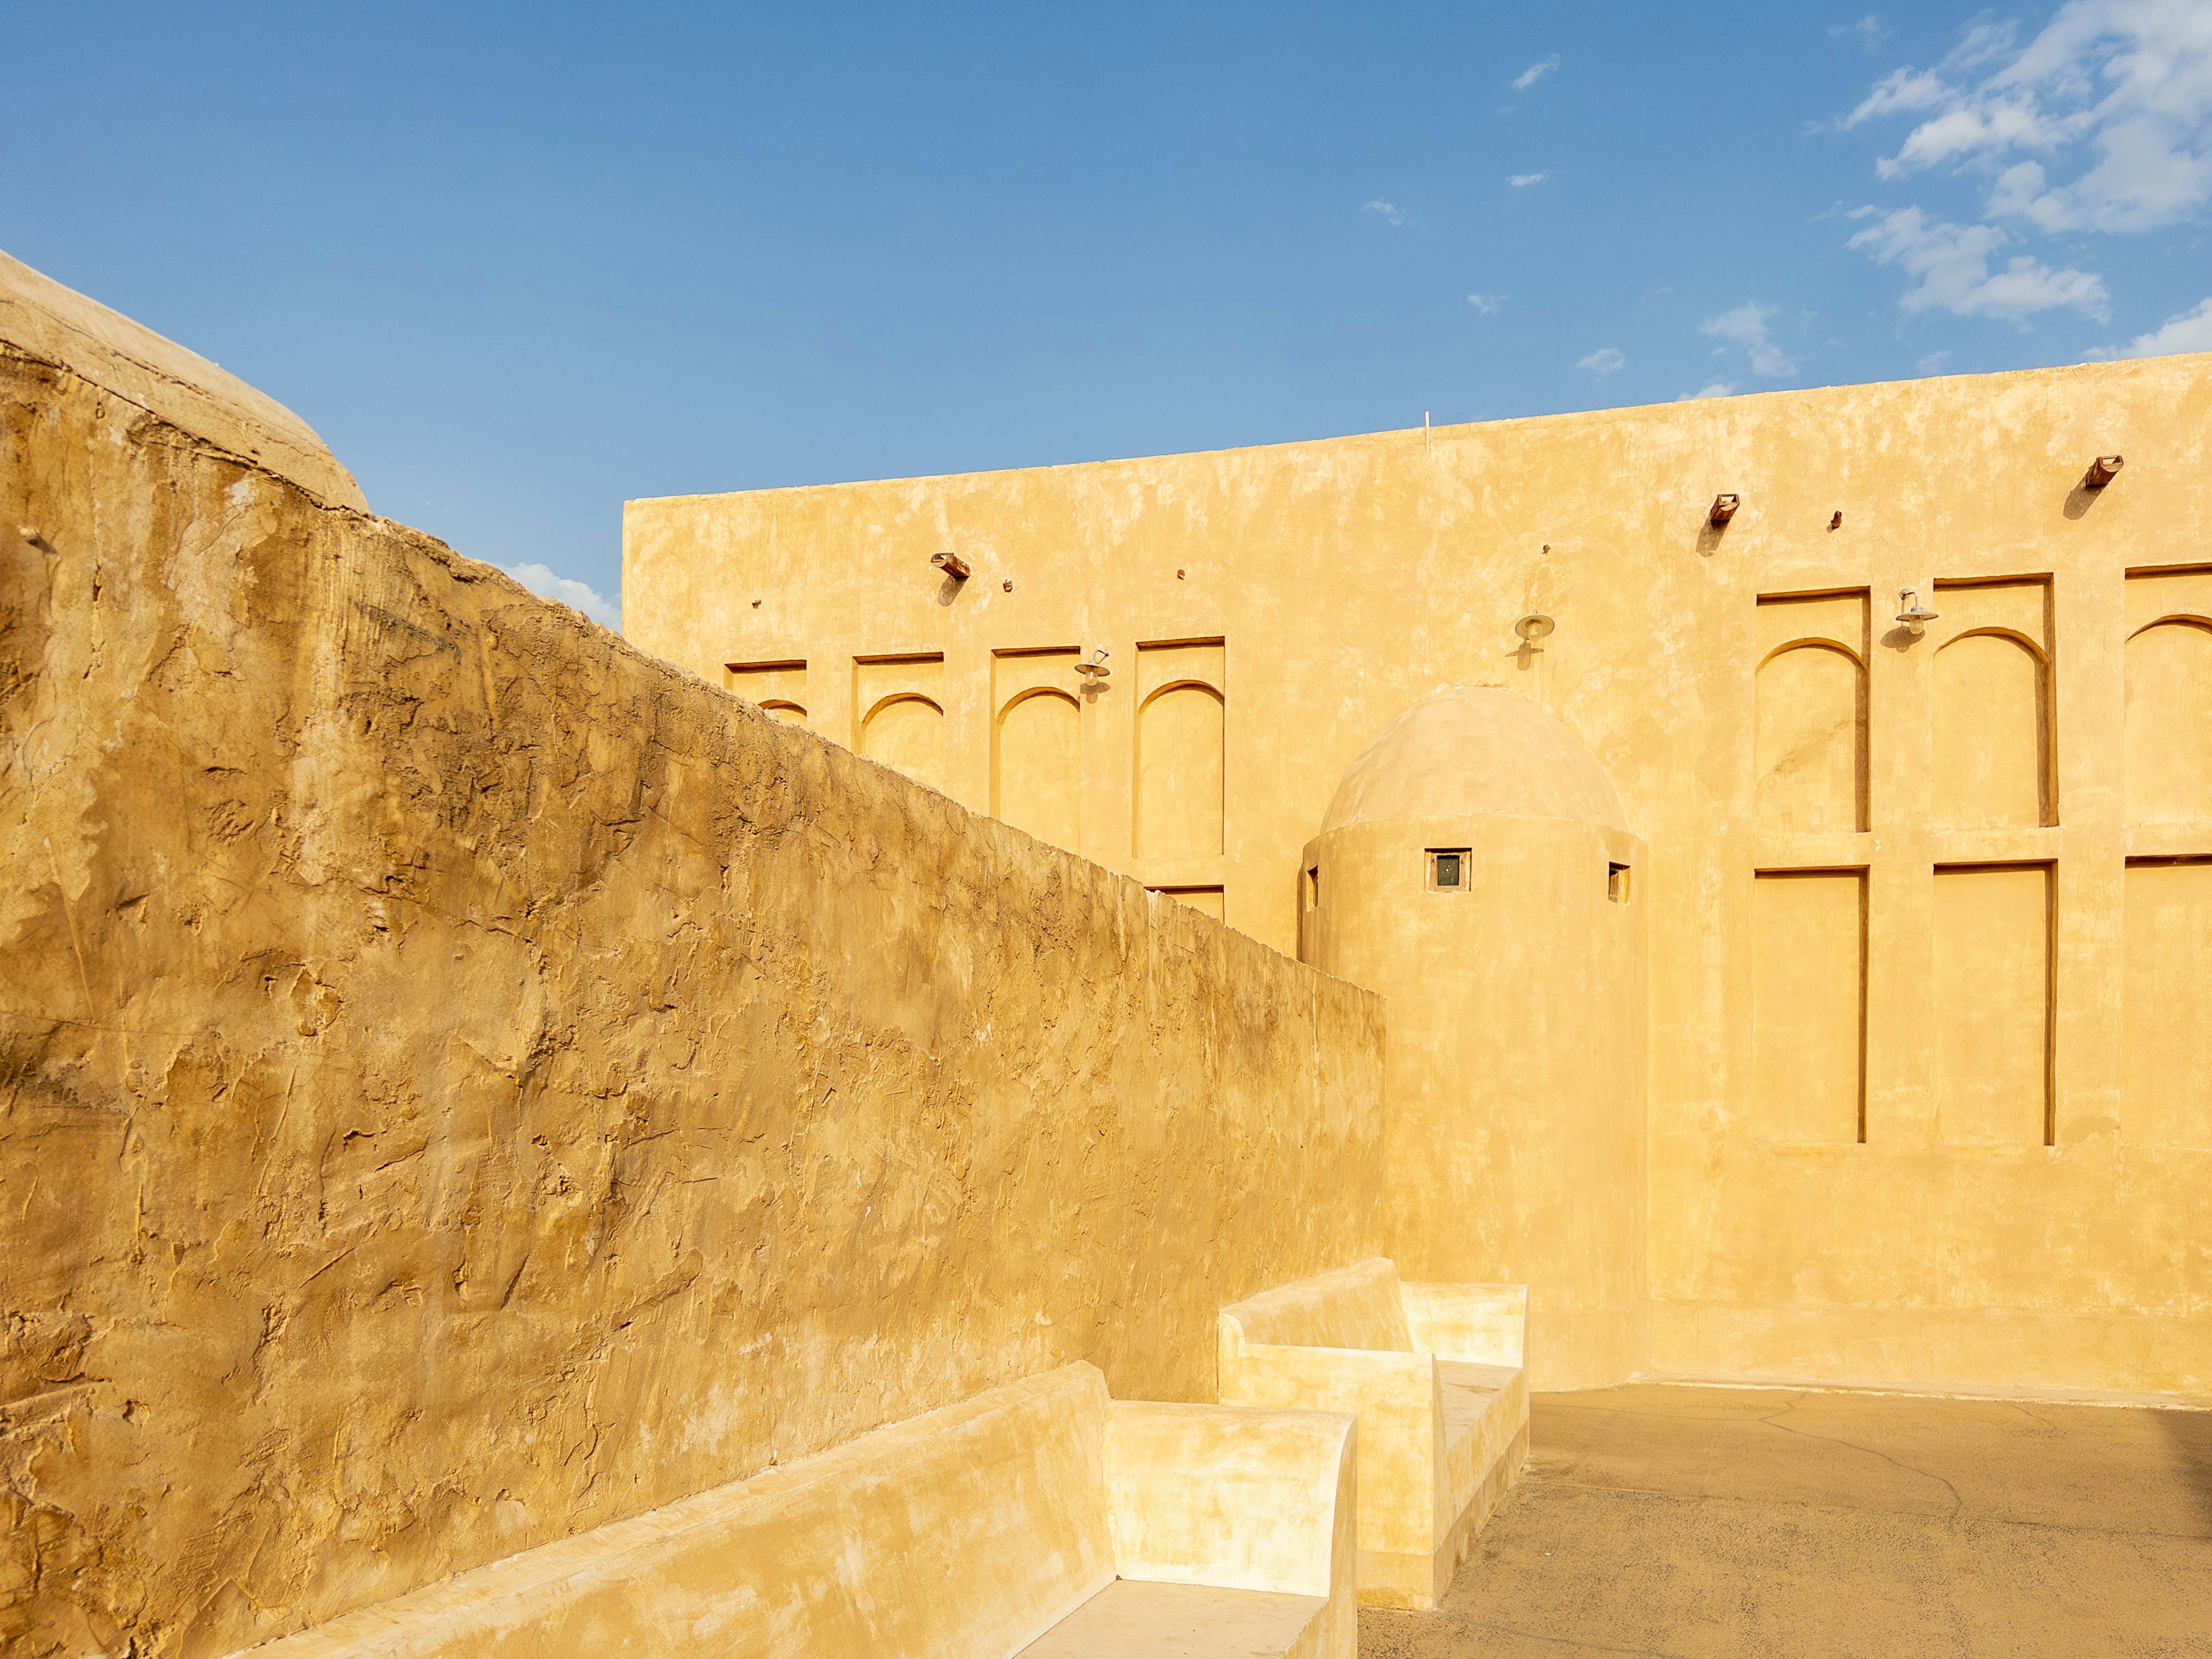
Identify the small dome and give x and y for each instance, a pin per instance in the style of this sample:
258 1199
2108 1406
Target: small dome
1468 752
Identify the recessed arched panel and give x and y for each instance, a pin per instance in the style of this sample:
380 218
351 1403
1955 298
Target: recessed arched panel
2169 733
1039 787
1992 760
1812 747
907 734
789 713
1179 767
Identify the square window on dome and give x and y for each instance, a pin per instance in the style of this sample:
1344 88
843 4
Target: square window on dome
1448 871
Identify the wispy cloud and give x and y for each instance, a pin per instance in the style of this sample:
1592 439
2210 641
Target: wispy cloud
1870 31
2190 332
2102 122
1535 72
542 581
1932 363
1605 360
1390 211
1716 389
1522 181
1486 303
1746 327
1949 265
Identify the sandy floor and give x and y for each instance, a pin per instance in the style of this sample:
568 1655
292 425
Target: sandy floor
1694 1521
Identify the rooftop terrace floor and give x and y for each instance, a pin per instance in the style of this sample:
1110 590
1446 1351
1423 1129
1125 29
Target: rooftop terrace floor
1677 1521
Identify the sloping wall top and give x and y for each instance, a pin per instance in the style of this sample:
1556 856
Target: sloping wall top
38 316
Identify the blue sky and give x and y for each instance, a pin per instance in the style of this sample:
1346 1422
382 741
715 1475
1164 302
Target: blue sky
518 263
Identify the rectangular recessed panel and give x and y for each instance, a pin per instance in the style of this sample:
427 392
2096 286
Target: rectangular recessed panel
1207 901
1991 1008
2167 1041
1807 994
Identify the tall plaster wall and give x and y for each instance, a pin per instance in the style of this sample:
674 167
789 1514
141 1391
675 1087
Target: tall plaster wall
462 1081
1347 578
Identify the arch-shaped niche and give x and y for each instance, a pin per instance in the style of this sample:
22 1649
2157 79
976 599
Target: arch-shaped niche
1179 772
1039 782
1811 741
2169 721
907 731
1992 750
789 713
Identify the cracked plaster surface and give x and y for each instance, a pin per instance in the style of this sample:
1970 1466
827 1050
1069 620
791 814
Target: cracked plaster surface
463 1081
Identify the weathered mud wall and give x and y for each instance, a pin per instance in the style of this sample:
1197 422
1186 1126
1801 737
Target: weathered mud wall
462 1081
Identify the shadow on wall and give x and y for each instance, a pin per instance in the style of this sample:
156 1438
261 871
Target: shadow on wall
2190 1435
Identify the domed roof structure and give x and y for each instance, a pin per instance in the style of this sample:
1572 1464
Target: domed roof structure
1468 751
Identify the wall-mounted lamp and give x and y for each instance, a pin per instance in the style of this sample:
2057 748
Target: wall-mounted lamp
952 564
2103 471
1836 520
1093 668
1724 506
1533 630
1910 611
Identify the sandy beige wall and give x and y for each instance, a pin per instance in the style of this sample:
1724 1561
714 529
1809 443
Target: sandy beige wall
1350 578
462 1080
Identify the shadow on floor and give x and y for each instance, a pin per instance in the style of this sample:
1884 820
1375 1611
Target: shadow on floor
1698 1522
2190 1435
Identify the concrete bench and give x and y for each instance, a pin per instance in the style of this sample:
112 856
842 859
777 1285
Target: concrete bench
1434 1374
1041 1518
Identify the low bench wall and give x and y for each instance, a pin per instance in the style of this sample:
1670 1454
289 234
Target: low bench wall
972 1532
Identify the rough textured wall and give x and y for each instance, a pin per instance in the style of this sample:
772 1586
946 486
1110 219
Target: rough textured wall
462 1080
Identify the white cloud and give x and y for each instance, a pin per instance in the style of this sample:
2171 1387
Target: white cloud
1535 72
1396 214
2190 332
1949 265
1870 30
1522 181
1932 363
1486 303
593 603
2114 97
1605 360
1746 327
1988 127
1980 43
1717 389
1902 91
